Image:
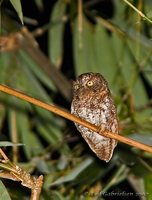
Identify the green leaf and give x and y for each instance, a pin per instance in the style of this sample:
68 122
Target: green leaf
50 134
53 195
133 51
32 144
143 138
24 131
56 195
84 50
93 50
139 93
18 7
56 33
94 171
33 85
41 165
8 144
130 158
120 8
3 192
37 70
148 71
74 173
5 62
148 186
105 54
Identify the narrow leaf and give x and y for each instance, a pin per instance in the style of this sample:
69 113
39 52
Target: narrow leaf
74 173
8 144
56 33
4 195
148 186
18 7
84 47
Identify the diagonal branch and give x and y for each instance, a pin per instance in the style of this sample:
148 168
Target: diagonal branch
73 118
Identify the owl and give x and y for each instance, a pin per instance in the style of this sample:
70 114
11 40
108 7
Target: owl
92 102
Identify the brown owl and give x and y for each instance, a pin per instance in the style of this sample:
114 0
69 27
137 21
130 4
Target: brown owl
92 101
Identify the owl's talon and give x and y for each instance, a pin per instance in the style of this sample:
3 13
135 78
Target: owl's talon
102 129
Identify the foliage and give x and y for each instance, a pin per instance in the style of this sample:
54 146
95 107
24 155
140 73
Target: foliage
120 48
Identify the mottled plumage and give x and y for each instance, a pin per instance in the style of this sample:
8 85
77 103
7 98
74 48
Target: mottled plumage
92 101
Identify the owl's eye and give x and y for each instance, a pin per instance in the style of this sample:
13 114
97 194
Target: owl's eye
90 83
76 87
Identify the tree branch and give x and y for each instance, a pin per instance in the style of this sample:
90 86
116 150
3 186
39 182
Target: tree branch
73 118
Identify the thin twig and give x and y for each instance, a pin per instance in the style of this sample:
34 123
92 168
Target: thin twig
14 135
3 154
80 16
138 11
15 173
73 118
80 22
41 30
8 175
35 195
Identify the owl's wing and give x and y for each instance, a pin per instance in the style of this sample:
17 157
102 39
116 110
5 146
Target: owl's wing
103 147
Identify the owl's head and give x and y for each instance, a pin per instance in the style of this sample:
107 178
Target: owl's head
89 83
